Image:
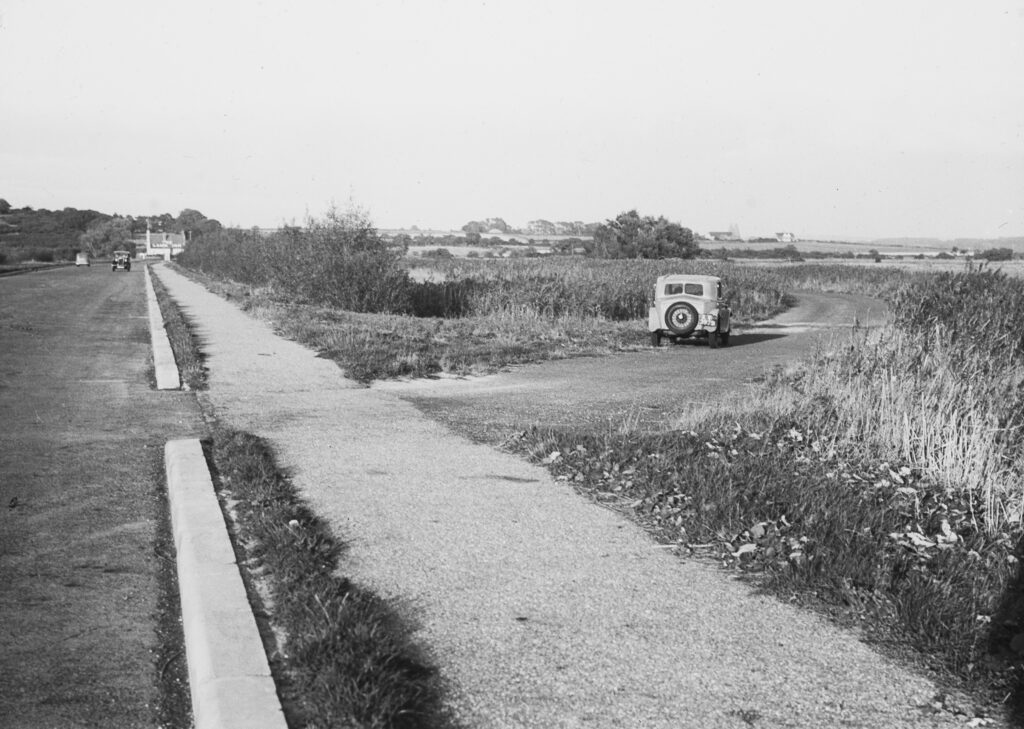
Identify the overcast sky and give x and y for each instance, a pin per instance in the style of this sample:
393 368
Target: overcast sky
858 118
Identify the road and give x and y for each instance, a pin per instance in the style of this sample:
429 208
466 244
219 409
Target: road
540 608
80 500
649 387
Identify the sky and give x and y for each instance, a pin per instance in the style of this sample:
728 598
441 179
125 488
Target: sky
854 119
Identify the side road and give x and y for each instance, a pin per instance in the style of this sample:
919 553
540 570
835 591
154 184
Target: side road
540 608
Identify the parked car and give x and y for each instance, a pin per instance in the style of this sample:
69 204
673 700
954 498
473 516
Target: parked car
122 260
82 259
687 307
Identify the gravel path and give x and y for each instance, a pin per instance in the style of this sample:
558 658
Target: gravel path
542 609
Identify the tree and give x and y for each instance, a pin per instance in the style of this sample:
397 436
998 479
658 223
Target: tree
195 223
631 236
5 207
997 254
106 236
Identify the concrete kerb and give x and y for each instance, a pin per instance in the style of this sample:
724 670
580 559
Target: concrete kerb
230 678
167 377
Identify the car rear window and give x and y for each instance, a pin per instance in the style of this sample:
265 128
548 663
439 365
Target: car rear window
691 289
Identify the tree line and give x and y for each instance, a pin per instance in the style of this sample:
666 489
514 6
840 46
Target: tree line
57 235
628 235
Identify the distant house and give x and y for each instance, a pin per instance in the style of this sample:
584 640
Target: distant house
732 234
786 237
164 245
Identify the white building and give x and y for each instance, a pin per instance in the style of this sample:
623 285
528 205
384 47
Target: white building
164 245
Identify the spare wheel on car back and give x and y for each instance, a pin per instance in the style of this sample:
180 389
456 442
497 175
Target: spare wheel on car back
681 318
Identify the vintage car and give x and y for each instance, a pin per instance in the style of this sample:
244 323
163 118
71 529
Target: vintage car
687 307
82 259
122 260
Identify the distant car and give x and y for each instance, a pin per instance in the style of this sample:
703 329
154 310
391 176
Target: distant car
688 307
82 259
122 260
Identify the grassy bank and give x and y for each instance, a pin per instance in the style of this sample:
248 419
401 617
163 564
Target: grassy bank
187 355
345 657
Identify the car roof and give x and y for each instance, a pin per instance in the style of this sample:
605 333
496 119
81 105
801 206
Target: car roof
680 277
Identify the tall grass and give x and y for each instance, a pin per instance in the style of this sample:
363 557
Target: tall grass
881 282
942 389
617 290
922 400
341 263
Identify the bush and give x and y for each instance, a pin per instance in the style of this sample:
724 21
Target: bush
339 260
997 254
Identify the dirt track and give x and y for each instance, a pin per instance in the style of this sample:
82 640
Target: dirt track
540 608
649 386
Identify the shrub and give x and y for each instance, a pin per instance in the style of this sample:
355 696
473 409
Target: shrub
997 254
339 260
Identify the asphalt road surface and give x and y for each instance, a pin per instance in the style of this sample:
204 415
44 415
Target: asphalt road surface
81 437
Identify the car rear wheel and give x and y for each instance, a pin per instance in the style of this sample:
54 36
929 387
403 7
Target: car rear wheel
681 318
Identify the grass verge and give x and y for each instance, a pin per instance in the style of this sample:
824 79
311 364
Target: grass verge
341 656
345 656
173 707
184 341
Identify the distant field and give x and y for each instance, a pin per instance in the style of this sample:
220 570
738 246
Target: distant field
462 251
903 255
1012 268
825 246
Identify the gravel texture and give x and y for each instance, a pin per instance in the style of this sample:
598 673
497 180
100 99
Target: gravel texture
540 608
